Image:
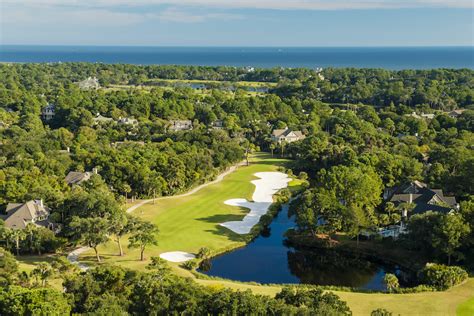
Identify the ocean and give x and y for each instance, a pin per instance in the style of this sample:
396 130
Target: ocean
395 58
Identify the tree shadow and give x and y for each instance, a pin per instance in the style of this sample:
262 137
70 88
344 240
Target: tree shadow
223 231
221 218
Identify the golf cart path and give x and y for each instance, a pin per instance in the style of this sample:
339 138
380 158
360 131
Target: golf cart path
73 256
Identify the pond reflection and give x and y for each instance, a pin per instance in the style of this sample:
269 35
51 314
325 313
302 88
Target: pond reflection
268 259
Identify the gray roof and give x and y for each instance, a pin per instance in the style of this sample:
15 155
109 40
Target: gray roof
19 215
76 177
424 198
285 132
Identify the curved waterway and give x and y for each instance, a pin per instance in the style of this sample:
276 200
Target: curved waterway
267 259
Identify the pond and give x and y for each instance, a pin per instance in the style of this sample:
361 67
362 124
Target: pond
267 259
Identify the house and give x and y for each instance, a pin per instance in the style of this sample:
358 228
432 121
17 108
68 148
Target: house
19 215
127 121
286 135
77 177
127 142
219 124
47 113
428 116
89 83
423 198
456 113
180 125
99 119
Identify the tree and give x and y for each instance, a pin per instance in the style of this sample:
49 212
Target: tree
17 235
92 231
118 226
144 234
448 234
391 282
204 253
42 271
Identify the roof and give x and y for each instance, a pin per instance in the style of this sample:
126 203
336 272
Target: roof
424 198
100 118
20 214
76 177
285 132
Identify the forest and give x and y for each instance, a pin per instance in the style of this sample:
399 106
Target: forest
366 131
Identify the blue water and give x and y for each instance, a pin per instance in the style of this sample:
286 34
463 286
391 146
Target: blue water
268 259
360 57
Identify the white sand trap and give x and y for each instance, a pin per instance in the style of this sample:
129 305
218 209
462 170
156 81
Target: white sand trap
265 187
177 256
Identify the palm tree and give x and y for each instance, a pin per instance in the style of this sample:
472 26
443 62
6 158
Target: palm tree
17 235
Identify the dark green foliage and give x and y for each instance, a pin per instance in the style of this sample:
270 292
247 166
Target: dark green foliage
443 277
16 300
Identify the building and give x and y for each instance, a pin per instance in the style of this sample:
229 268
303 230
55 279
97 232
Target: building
456 113
89 83
77 177
423 198
428 116
47 113
19 215
286 135
180 125
219 124
99 119
127 121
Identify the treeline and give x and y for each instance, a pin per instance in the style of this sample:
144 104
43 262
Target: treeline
425 89
108 290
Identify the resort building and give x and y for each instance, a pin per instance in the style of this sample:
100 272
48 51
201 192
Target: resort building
48 112
19 215
286 135
180 125
89 83
99 119
456 113
127 121
77 177
423 198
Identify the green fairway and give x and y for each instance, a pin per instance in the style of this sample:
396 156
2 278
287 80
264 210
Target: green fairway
466 308
191 222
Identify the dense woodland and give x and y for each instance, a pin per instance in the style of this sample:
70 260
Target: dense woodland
360 139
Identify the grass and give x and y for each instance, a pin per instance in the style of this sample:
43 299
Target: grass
466 308
28 263
188 223
458 300
191 222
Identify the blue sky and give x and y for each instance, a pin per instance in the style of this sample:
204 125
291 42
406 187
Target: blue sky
238 23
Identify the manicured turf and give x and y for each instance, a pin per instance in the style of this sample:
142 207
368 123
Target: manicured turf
188 223
451 302
191 222
466 308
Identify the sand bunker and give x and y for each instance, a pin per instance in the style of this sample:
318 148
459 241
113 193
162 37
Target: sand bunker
265 187
177 256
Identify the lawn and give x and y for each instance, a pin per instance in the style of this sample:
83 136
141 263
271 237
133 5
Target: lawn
188 223
191 222
456 301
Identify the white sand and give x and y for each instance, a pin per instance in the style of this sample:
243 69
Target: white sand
265 187
177 256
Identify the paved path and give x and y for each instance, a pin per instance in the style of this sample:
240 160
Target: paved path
74 255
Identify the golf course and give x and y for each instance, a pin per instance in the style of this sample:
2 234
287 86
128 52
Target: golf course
190 222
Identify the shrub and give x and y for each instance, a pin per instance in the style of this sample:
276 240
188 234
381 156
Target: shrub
190 264
303 175
391 282
442 277
381 312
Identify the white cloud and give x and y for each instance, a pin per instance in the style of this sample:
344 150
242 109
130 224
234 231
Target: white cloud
264 4
174 14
